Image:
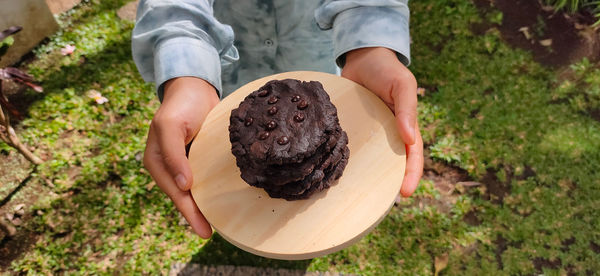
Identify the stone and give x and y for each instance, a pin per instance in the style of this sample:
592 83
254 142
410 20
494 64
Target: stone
128 11
60 6
37 22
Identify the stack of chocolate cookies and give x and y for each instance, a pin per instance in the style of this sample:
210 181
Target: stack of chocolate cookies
287 139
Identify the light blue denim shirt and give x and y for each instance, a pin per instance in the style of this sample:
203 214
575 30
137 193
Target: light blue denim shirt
175 38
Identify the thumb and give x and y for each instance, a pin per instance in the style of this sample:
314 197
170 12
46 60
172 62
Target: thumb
171 140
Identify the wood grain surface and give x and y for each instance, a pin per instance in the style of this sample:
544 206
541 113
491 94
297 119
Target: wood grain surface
330 220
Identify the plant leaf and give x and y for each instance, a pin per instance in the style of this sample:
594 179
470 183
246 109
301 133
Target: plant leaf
546 42
18 74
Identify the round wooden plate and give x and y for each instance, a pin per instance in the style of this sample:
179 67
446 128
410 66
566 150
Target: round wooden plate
330 220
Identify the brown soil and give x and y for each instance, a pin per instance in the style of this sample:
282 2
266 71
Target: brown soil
571 36
445 179
16 187
12 248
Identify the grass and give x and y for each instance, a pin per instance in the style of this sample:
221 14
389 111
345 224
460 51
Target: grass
573 6
527 135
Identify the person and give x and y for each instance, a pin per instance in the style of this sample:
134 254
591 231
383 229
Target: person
189 50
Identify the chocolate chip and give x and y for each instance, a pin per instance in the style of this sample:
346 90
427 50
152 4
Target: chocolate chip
271 125
273 100
263 93
299 117
248 121
295 98
264 135
272 110
283 140
302 104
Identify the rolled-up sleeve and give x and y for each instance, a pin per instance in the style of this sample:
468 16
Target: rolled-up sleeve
366 23
180 38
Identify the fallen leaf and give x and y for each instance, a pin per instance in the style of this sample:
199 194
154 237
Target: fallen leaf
67 50
440 263
150 185
462 186
19 207
469 183
580 26
546 42
547 8
19 210
526 33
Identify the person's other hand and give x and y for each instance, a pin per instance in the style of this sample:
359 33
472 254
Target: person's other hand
185 105
380 71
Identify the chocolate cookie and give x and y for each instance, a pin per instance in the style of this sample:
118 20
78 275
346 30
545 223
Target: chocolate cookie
253 172
282 122
321 178
287 139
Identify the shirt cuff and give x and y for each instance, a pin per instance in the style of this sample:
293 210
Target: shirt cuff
364 27
186 57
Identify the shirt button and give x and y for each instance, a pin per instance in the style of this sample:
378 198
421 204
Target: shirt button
268 42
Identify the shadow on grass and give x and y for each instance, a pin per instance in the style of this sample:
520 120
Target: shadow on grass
94 70
91 69
218 251
82 76
12 193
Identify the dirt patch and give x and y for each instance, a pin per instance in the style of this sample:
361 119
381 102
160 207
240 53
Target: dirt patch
496 189
595 114
501 246
555 39
17 188
540 263
15 175
444 177
472 219
595 247
566 244
12 248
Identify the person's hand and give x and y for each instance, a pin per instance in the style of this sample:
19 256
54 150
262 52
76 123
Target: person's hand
185 105
380 71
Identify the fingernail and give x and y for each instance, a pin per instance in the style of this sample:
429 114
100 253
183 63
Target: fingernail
181 182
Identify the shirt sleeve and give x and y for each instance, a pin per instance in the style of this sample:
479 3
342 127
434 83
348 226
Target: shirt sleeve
176 38
366 23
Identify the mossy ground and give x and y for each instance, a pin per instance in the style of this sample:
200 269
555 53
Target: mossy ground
528 137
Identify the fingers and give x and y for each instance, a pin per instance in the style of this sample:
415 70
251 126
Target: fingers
171 138
414 165
187 101
153 161
404 94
